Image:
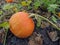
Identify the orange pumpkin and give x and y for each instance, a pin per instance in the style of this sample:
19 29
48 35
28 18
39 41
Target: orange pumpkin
9 1
21 25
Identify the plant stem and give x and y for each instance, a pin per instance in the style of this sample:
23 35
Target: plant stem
31 14
4 43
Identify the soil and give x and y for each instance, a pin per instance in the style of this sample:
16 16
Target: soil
45 35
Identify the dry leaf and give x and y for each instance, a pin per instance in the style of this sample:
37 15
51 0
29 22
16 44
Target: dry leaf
44 24
35 39
53 36
59 14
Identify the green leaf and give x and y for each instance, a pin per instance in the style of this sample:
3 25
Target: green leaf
58 1
1 12
4 25
52 8
26 3
54 19
52 1
29 7
17 6
54 5
46 3
37 4
7 6
38 21
29 2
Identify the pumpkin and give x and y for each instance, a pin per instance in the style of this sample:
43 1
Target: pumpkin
21 25
9 1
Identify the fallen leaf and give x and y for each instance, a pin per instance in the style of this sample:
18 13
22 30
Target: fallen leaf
59 14
53 36
44 24
35 39
31 42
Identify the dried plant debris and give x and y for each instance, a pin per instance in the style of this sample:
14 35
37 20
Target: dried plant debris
39 39
53 36
47 15
31 42
2 33
46 39
44 24
58 23
35 39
